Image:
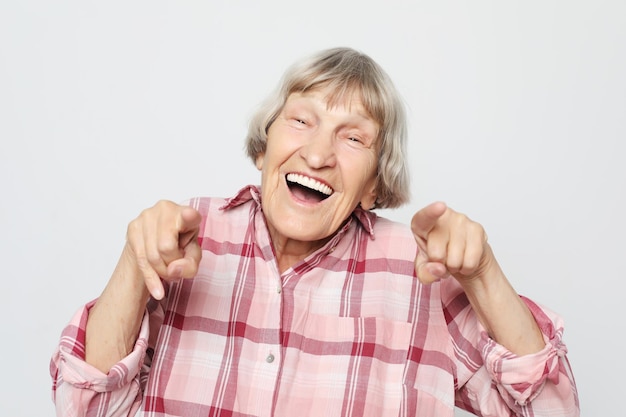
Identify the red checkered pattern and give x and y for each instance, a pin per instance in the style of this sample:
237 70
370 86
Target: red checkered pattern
349 331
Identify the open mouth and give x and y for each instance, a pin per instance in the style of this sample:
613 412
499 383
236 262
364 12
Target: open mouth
307 189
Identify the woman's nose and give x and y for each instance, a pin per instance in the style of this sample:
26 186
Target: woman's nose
319 150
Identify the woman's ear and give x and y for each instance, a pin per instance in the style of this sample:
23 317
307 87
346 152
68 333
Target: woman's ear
368 199
259 161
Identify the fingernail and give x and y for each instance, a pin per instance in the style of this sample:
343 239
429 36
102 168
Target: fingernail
438 271
157 293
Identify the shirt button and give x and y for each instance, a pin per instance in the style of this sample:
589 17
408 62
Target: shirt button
270 358
279 290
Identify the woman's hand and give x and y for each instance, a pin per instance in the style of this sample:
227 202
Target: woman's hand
162 242
449 244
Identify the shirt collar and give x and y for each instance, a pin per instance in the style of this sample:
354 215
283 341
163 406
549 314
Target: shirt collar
365 218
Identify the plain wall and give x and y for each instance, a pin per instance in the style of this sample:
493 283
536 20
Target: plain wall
517 117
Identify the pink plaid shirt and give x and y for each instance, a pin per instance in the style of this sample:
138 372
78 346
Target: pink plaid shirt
349 331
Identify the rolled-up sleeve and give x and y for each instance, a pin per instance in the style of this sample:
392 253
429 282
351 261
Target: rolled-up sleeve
79 389
542 381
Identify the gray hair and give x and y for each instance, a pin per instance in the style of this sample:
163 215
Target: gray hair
347 71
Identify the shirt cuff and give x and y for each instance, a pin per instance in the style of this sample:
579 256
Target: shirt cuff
523 377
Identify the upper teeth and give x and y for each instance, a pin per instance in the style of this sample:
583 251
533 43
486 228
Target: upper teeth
310 183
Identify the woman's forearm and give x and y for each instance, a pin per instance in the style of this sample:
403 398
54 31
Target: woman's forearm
115 319
503 313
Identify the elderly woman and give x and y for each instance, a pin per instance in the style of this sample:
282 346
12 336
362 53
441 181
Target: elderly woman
294 298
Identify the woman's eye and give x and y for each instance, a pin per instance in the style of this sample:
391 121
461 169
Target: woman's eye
298 121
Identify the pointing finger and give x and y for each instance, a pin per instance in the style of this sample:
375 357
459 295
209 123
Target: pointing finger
188 220
425 219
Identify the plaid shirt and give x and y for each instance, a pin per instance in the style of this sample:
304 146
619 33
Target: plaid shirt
349 331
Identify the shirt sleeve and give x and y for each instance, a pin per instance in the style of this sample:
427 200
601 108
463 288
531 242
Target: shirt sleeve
539 384
79 389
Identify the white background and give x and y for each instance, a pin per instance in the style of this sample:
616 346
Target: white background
517 118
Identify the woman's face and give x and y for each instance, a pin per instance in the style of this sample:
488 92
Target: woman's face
320 163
